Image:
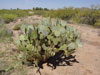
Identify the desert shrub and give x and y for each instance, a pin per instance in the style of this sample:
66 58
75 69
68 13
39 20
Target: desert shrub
9 17
79 15
1 26
1 21
17 27
38 43
39 12
97 24
5 34
65 14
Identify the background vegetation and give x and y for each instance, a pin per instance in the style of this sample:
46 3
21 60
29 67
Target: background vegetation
90 16
10 15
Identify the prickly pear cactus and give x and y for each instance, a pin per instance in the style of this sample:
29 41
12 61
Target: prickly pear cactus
42 41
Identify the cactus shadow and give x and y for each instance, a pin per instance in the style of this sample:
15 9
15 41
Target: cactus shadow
60 60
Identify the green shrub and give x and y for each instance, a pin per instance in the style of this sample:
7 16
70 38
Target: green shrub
39 43
97 24
1 26
16 27
1 21
5 34
39 12
78 15
9 17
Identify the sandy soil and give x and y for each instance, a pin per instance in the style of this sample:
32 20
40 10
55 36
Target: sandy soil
88 56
